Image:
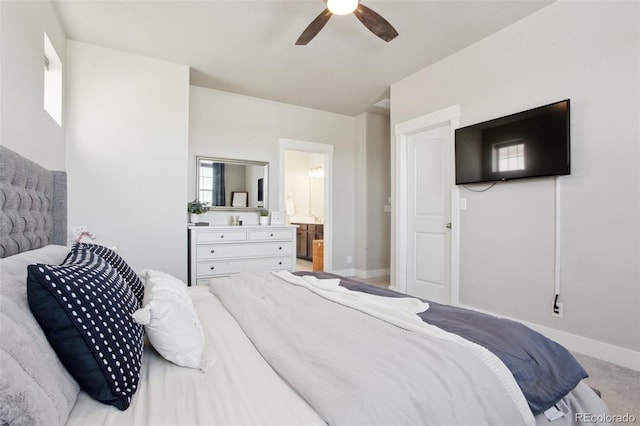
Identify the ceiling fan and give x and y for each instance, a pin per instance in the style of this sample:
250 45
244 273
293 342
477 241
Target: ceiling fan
374 22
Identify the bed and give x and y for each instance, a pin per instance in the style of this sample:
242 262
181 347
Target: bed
263 348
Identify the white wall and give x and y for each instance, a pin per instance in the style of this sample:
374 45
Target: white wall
360 195
378 188
588 52
233 126
252 175
235 179
25 126
126 108
296 181
127 144
373 189
306 193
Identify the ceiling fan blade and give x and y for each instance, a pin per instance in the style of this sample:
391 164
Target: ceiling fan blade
314 28
376 23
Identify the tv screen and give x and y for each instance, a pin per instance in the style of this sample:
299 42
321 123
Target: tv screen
261 189
527 144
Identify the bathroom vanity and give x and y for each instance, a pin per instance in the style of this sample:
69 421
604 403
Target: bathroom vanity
305 235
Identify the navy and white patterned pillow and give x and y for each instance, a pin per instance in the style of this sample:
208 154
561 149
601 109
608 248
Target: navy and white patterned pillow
84 308
117 263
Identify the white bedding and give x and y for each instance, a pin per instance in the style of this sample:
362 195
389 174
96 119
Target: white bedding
241 389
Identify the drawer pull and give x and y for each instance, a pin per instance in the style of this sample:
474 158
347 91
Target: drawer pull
221 236
212 268
213 251
280 263
280 248
271 235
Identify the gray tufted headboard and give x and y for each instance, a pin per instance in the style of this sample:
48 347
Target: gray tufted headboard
33 203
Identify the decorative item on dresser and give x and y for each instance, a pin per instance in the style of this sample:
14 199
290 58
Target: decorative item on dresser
195 209
216 251
264 216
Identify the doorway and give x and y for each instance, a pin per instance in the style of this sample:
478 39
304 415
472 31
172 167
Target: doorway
426 218
305 188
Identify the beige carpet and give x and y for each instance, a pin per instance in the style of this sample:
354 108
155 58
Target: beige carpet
619 386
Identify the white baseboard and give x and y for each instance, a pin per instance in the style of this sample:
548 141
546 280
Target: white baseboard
361 273
344 272
372 273
584 345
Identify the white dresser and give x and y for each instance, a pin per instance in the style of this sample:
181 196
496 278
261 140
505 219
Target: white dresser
216 251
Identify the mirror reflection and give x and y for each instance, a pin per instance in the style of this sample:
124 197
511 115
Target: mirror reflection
234 184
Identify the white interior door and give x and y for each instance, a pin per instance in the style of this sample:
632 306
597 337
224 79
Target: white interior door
428 213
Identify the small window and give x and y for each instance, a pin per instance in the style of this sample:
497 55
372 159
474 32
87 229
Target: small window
52 81
206 183
510 157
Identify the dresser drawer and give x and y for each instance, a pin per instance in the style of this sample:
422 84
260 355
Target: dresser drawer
215 236
274 234
226 267
220 251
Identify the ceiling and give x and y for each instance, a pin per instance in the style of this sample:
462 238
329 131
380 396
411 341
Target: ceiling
247 47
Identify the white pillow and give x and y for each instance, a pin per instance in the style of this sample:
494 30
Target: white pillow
171 321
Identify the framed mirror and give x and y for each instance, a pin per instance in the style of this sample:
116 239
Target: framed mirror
228 184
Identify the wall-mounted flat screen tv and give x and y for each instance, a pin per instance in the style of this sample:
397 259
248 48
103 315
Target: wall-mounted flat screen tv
527 144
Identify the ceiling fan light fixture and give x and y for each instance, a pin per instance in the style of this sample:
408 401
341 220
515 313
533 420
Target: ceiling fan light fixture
342 7
369 18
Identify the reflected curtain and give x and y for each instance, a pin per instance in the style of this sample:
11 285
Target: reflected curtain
218 185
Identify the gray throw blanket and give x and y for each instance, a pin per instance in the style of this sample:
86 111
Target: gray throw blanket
356 369
544 370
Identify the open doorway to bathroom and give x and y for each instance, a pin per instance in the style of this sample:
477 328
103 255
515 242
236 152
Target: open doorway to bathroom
306 191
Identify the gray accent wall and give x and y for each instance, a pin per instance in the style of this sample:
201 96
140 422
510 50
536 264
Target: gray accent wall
588 52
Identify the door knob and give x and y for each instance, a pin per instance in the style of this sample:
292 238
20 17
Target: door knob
448 225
